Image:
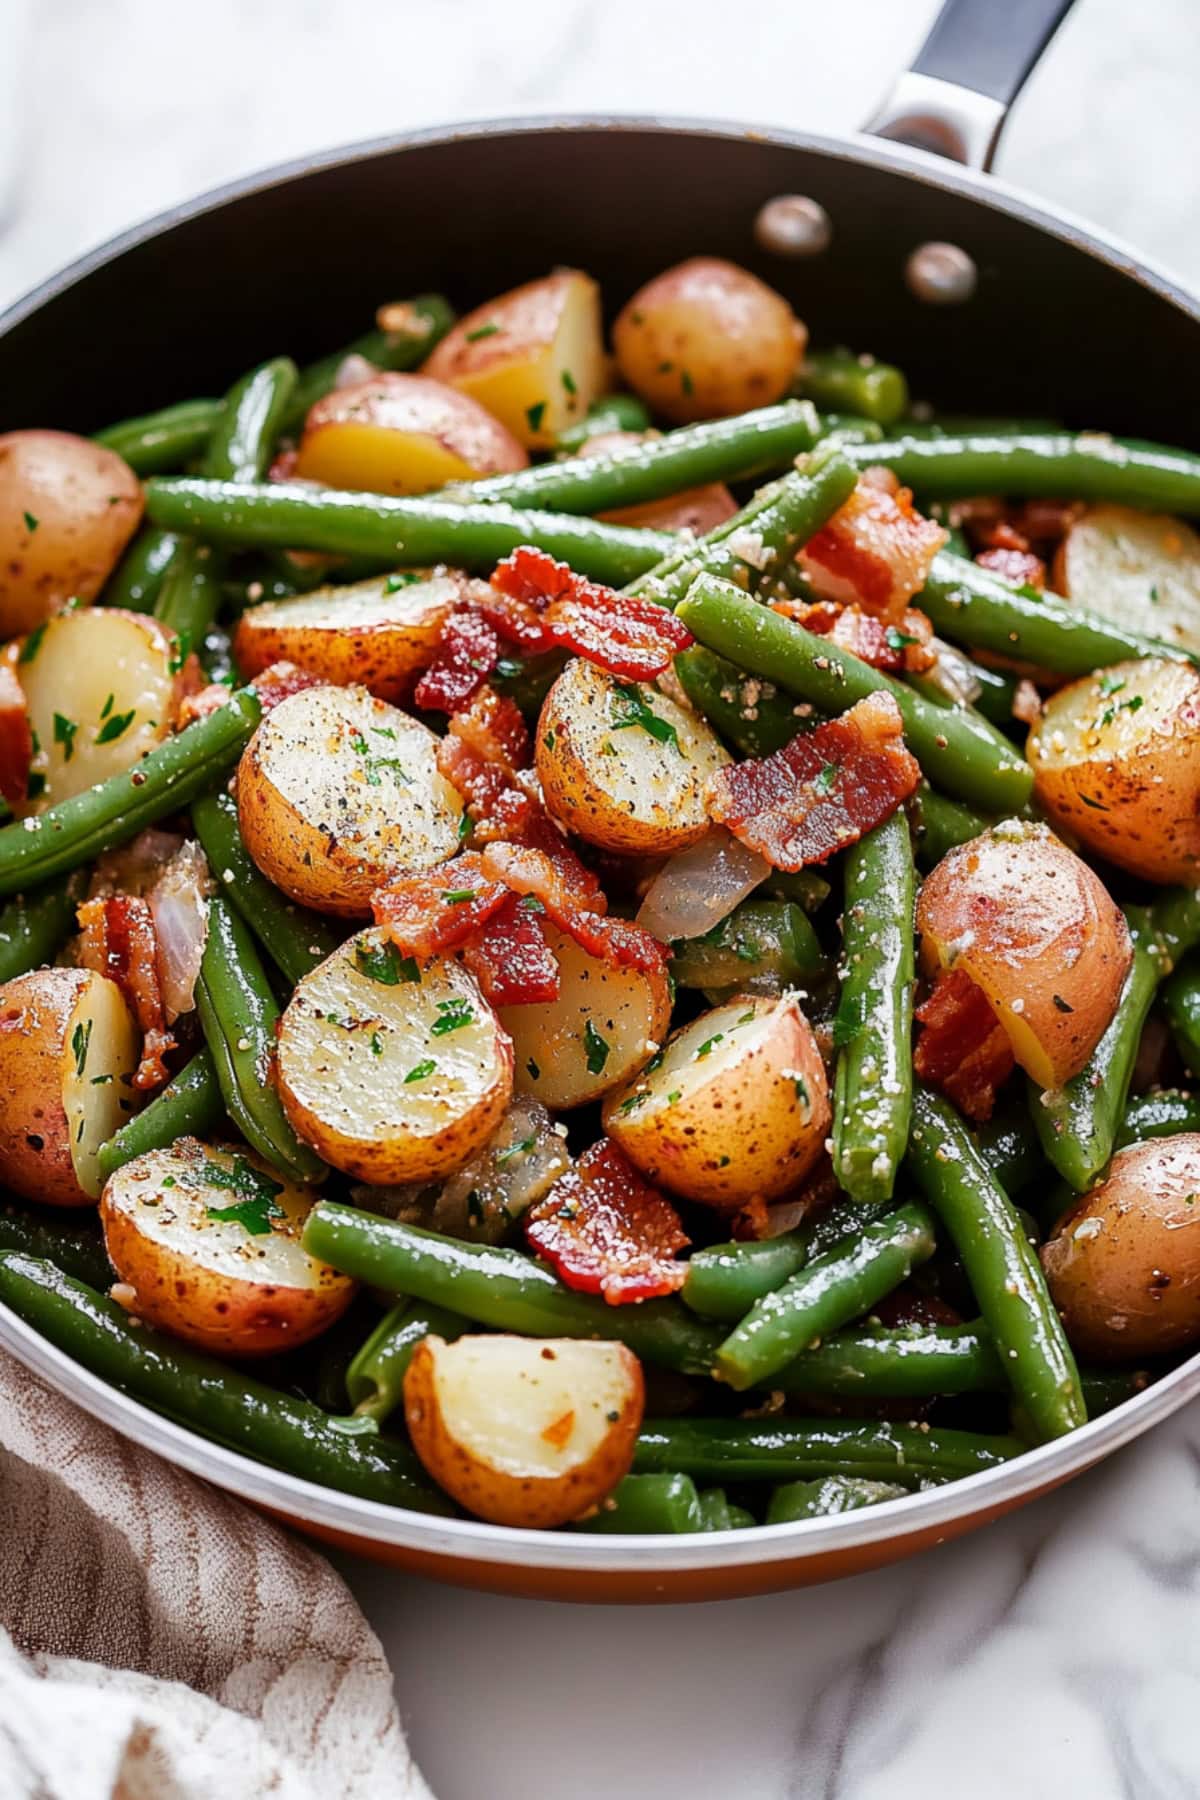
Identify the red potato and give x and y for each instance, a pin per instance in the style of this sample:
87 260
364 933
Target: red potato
1038 933
68 508
706 340
403 434
16 739
698 510
1124 1264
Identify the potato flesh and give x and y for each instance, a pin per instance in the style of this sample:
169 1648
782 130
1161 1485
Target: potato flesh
338 791
1142 570
616 1016
102 688
392 1081
68 507
377 633
403 434
1116 761
99 1056
533 357
737 1109
608 778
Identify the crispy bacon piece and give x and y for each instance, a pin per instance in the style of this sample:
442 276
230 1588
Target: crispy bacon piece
428 913
510 958
492 726
16 739
548 870
875 551
1021 566
905 646
962 1050
468 650
279 681
823 790
118 940
606 1231
622 633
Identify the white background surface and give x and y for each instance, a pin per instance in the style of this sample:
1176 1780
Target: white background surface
1058 1654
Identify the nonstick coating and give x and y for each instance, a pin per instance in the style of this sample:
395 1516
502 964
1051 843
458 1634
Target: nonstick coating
296 261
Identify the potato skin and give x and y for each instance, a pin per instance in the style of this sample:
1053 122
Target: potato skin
1036 929
360 634
207 1281
403 434
1124 1264
706 339
534 1501
1116 761
85 503
728 1126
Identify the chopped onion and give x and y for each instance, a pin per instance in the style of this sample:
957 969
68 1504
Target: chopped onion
353 370
700 886
136 867
178 905
953 675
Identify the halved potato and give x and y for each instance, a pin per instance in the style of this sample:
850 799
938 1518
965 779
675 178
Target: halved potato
736 1109
391 1071
337 792
1142 570
102 686
706 339
403 434
606 1022
1124 1264
534 357
524 1431
378 633
1116 762
623 764
68 1052
1038 932
208 1238
68 508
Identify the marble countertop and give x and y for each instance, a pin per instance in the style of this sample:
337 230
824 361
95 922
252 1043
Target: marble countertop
1055 1654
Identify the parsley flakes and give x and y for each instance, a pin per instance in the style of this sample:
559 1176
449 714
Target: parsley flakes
630 709
596 1049
383 963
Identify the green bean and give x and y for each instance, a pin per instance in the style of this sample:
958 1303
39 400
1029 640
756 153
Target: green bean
416 532
808 889
1175 923
137 578
972 606
842 381
666 1504
714 1504
958 751
500 1288
78 830
34 926
1105 1388
1078 1123
827 1226
166 439
612 412
190 595
1181 1003
295 938
76 1246
725 1280
375 1375
1002 1267
793 1449
835 1288
849 428
208 1395
995 698
942 425
762 946
1009 1146
822 1499
873 1028
762 538
430 318
736 449
1156 1115
1087 465
907 1362
239 1017
243 439
750 714
941 824
189 1106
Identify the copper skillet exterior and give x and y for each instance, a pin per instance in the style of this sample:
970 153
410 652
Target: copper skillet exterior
1063 322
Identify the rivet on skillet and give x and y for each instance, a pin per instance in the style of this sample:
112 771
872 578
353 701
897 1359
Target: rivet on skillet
793 225
941 274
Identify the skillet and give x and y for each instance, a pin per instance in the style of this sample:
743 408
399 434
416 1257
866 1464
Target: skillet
1015 308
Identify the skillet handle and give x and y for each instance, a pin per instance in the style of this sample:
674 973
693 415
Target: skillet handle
978 55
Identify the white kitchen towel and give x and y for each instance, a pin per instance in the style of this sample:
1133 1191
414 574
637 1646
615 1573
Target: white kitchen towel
160 1641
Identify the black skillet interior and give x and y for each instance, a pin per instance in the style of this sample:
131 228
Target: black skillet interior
297 262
